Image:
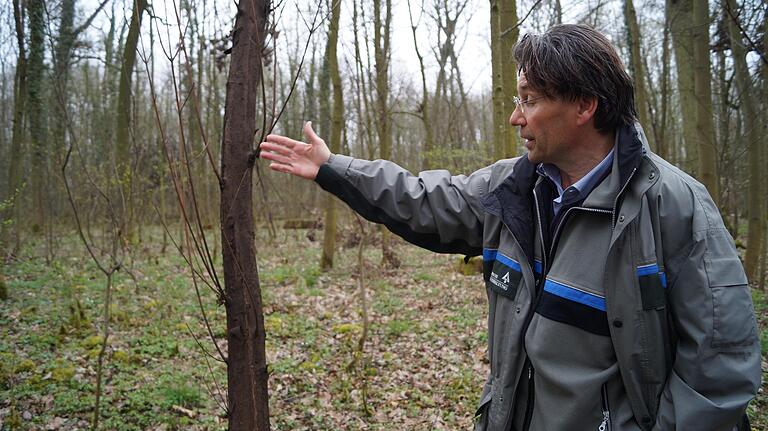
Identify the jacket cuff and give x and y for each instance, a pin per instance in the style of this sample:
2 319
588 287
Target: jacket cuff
336 167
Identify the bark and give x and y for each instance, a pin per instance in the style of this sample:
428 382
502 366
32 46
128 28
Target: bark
662 135
680 27
702 78
248 401
19 109
38 124
365 134
764 150
124 97
382 25
752 126
636 68
508 35
61 66
337 124
498 61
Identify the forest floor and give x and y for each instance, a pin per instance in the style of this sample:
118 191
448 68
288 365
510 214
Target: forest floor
422 368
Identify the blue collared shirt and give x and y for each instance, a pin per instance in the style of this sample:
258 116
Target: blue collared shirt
581 188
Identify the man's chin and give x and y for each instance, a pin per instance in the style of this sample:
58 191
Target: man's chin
533 157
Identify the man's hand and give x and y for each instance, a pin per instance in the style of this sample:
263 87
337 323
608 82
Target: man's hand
294 157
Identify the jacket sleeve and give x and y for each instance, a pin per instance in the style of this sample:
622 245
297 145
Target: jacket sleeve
716 369
433 210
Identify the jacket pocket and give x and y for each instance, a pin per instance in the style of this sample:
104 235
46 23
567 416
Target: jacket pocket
733 323
653 284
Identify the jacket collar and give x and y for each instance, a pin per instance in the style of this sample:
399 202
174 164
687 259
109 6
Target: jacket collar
512 200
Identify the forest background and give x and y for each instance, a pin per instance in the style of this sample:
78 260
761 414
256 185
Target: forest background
132 262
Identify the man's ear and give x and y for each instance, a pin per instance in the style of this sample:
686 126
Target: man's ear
587 106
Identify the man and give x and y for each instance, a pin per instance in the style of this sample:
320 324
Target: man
616 297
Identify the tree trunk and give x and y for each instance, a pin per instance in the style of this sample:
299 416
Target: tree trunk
702 78
508 35
123 138
636 67
752 126
248 399
337 124
36 112
500 125
662 134
382 23
19 109
680 26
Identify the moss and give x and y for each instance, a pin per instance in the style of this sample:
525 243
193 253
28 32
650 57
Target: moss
346 328
273 324
77 317
117 314
63 374
93 354
91 342
474 266
13 420
121 356
24 366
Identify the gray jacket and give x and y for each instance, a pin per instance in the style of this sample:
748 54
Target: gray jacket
684 333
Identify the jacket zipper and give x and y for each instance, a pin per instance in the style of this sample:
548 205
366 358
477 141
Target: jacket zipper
531 387
605 425
529 406
616 200
556 236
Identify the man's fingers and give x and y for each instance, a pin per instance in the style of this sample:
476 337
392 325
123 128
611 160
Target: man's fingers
282 140
275 157
279 167
276 148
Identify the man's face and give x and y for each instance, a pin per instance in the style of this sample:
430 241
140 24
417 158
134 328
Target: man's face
546 124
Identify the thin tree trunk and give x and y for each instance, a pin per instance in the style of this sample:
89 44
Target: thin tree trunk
19 109
509 31
382 22
702 77
36 114
662 135
123 136
248 398
337 124
752 126
497 83
680 26
636 67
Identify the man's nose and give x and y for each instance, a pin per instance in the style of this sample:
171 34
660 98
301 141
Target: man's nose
517 118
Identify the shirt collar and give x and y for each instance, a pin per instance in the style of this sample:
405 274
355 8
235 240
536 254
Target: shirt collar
581 188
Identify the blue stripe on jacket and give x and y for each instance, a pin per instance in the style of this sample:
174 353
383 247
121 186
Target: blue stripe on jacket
573 294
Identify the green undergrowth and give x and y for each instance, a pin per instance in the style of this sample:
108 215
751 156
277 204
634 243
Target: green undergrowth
422 367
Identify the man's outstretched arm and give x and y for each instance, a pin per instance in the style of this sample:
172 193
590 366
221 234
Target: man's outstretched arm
433 210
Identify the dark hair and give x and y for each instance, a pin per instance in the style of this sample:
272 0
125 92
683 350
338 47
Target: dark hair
574 61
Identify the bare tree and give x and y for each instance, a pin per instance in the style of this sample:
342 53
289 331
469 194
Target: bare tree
337 125
751 124
702 78
246 362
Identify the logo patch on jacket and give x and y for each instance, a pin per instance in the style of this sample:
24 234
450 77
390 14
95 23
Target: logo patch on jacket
502 273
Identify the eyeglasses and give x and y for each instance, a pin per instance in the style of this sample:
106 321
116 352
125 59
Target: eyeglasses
519 103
